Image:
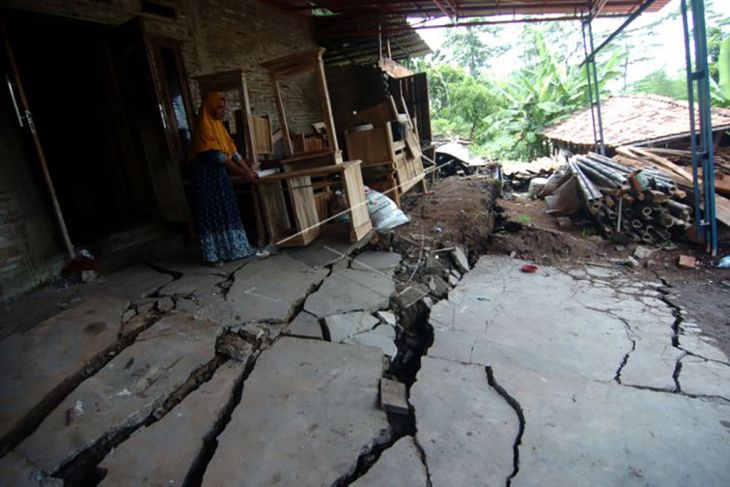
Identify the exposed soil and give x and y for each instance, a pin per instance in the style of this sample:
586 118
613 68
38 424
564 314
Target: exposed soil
466 211
456 211
708 304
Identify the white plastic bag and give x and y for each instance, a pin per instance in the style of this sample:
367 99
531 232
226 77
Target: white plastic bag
384 213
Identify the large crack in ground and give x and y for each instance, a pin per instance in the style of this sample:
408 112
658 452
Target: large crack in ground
676 328
517 408
55 397
82 469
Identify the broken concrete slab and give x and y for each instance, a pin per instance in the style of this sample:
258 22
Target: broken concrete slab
165 452
28 310
40 364
305 325
16 471
695 343
271 289
393 397
400 465
651 364
165 305
382 337
489 306
202 285
132 284
124 393
633 433
351 290
332 246
343 326
376 261
387 317
460 259
307 403
704 377
458 414
413 293
568 394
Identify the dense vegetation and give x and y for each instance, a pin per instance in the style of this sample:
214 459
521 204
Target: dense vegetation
502 115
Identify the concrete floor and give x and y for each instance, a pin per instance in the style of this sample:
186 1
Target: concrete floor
267 373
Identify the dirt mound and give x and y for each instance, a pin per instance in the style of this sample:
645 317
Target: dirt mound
456 211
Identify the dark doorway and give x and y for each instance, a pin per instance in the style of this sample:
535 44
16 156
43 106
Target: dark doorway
103 127
79 115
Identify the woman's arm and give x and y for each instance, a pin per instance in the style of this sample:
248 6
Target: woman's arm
237 165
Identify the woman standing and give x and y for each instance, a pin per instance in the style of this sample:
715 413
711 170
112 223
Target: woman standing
212 154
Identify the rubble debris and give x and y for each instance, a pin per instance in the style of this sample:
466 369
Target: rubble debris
454 158
687 262
641 252
165 304
460 259
393 396
234 346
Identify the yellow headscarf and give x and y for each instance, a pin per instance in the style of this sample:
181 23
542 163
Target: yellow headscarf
210 134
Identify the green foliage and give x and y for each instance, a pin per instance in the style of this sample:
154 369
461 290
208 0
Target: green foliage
472 47
660 83
503 118
723 68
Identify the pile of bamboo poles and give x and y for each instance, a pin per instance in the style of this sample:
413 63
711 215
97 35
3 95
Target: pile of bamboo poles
644 204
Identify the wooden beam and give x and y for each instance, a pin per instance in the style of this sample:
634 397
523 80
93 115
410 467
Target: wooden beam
282 119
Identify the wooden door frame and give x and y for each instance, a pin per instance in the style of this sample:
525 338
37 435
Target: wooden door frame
155 43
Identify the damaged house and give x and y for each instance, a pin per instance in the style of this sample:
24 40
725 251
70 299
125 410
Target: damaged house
100 100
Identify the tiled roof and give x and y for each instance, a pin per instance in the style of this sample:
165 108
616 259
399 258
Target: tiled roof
633 119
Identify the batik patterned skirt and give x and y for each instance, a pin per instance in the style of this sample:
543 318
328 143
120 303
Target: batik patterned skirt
216 210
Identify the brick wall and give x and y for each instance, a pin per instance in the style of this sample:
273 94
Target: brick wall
28 243
216 35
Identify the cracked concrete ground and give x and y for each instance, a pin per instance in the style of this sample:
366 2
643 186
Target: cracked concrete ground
597 365
266 372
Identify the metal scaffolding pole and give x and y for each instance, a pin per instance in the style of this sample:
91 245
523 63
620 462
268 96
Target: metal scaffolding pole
701 143
594 97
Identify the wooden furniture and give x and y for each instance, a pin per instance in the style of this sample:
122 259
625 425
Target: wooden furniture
300 224
233 80
390 166
292 65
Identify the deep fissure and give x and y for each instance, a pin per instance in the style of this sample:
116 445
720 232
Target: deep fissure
515 405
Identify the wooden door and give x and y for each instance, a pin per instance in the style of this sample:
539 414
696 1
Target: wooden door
145 109
25 121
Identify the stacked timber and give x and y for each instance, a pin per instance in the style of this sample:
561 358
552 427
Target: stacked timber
683 160
642 203
682 176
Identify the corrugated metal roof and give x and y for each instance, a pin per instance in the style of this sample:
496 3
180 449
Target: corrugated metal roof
350 39
633 119
468 8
